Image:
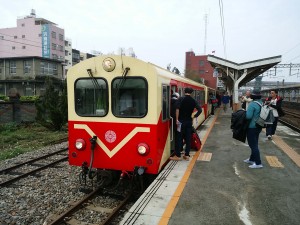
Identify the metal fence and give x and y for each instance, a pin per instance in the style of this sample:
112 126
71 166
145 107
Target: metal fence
17 112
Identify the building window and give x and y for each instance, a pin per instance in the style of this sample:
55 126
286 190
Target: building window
1 37
48 68
54 56
61 37
53 46
54 66
23 36
23 25
1 65
40 35
15 37
61 48
23 47
13 47
42 68
12 67
27 66
201 63
53 34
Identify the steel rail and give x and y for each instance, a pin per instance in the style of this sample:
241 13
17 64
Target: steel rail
6 170
5 183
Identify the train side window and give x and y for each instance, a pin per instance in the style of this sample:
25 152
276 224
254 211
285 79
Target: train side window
129 97
91 97
200 97
166 102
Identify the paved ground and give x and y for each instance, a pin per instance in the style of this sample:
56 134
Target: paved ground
225 191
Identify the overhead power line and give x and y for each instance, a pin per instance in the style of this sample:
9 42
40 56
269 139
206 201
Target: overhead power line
223 26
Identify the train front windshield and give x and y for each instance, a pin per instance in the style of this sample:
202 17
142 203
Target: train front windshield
129 97
91 97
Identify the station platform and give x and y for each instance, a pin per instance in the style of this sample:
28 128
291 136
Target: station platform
217 187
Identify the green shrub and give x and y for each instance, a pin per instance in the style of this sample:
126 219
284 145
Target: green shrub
29 98
4 98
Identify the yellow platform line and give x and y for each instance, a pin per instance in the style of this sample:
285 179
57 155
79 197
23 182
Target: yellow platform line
274 162
287 149
174 200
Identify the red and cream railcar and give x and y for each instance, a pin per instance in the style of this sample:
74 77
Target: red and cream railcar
119 113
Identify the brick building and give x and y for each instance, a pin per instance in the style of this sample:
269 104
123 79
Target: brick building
198 68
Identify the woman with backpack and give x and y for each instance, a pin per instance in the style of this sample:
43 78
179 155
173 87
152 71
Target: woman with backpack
274 102
252 114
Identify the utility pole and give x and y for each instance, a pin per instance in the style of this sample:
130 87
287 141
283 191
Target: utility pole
205 33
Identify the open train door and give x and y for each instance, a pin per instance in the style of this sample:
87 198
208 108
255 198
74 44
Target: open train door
166 117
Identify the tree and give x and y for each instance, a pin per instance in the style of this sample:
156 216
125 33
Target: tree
52 107
193 75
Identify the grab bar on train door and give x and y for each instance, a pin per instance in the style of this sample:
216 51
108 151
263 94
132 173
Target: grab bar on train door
171 128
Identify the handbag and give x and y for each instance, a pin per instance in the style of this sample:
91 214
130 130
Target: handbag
270 119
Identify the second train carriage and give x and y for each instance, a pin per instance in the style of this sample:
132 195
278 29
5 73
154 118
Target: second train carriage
119 114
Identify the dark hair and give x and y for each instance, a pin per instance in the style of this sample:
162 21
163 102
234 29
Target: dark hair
188 90
255 95
275 90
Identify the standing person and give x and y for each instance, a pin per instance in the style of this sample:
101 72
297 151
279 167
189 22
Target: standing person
184 121
246 100
214 103
218 96
225 101
252 114
174 102
274 101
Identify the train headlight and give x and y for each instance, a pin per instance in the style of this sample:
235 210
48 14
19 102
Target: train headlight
80 144
109 64
143 149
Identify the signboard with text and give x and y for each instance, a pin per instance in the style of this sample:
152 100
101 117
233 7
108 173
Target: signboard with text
45 41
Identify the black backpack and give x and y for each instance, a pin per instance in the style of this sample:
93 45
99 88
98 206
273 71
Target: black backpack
239 125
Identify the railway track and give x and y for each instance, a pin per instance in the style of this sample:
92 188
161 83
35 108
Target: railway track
87 204
291 119
36 162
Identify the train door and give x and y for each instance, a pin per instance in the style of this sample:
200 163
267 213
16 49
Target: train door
166 118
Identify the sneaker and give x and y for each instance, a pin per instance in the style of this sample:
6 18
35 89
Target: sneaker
248 161
254 166
176 158
186 157
269 137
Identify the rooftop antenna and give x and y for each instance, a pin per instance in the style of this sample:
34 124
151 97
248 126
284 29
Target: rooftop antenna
205 33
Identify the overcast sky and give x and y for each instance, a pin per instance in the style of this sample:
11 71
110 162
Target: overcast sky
161 31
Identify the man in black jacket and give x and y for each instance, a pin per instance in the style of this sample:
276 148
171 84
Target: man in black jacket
184 123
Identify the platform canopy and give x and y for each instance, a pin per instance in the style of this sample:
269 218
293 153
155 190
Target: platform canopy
235 75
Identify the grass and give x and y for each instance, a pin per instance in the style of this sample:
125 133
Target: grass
17 139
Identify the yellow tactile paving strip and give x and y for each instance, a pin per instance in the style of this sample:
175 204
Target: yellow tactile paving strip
173 202
273 161
287 149
205 156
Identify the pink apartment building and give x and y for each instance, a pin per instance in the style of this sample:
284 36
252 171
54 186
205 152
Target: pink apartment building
33 37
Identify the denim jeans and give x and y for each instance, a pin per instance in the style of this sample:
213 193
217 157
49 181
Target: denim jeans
185 134
252 138
270 130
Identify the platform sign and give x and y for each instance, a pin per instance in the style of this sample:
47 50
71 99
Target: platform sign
220 83
45 41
